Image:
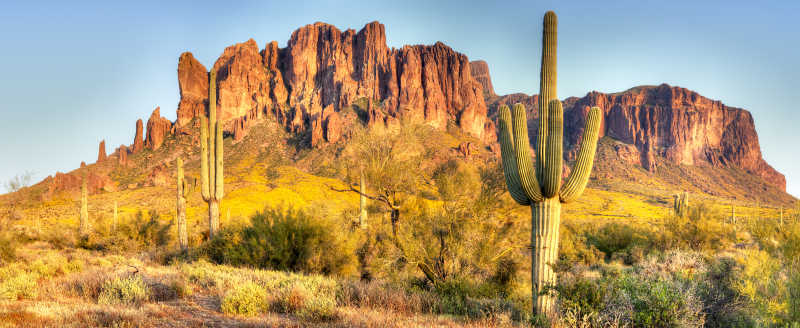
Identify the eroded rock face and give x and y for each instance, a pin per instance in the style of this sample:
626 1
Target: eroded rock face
159 176
480 71
71 183
324 67
138 139
671 122
122 155
193 86
157 129
101 153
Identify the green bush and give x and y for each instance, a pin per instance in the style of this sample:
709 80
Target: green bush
131 290
248 299
622 241
16 283
290 240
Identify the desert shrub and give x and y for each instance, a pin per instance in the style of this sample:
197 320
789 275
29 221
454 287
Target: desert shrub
660 291
766 285
285 240
306 300
53 264
581 300
473 299
703 229
131 290
381 295
17 283
621 241
8 248
248 299
168 288
575 248
144 231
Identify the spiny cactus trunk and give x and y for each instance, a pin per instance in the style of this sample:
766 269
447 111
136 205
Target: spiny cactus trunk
213 212
211 157
362 217
84 222
545 217
183 238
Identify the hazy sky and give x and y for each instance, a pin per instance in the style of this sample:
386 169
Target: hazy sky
77 73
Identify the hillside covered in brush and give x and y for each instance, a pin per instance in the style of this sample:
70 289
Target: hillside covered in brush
311 95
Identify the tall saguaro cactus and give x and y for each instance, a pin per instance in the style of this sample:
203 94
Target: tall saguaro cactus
211 171
183 238
84 222
541 187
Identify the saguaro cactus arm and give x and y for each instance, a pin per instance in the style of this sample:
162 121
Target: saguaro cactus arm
525 169
547 87
579 177
552 162
508 156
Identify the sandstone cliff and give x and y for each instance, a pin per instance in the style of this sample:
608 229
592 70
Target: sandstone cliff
324 67
664 121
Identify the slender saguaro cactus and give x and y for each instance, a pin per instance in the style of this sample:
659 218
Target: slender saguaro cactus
114 222
183 238
362 216
84 223
681 204
211 171
541 187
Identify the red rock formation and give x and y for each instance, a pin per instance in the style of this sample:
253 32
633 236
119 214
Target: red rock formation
138 140
101 153
72 182
323 66
465 149
122 155
671 122
480 71
159 176
193 86
157 129
333 128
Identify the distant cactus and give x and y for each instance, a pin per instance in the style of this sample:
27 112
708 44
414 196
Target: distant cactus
211 157
181 206
362 216
84 222
524 182
114 222
681 204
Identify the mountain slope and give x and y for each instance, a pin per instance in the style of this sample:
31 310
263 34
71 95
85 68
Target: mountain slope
296 106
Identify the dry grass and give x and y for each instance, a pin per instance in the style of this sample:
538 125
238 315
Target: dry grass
196 294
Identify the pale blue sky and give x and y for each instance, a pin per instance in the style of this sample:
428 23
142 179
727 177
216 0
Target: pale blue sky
77 73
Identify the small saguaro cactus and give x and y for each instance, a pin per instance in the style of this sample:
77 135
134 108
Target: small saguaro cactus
84 222
542 188
681 204
114 222
362 204
180 216
211 159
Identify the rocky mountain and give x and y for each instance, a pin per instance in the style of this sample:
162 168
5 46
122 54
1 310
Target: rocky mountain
312 87
323 70
665 121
